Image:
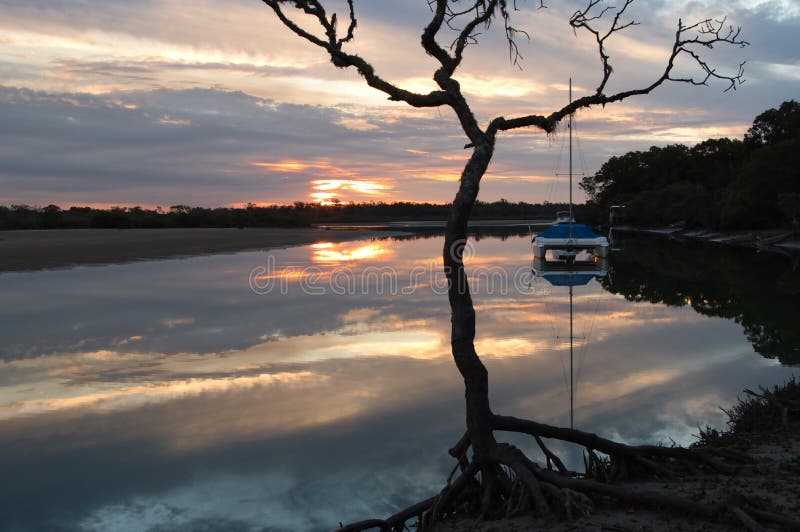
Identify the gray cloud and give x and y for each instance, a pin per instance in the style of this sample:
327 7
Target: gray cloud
100 148
194 146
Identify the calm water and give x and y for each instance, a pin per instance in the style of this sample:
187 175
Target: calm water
293 389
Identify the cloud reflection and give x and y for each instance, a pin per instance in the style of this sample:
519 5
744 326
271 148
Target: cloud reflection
259 392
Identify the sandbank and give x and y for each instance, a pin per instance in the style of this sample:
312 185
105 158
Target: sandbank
58 248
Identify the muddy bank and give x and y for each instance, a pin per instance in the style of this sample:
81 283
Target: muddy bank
770 240
57 248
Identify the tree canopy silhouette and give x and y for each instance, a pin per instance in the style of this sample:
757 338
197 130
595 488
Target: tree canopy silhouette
719 183
297 214
509 481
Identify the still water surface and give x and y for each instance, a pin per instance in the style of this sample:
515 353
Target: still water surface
294 389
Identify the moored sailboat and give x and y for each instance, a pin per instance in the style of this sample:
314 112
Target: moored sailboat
565 240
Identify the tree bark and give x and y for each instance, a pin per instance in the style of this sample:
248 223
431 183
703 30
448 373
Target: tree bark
488 455
476 379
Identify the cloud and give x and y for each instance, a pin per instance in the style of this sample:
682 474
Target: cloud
276 502
210 147
165 147
216 89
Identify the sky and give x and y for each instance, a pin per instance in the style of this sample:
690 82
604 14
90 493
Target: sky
155 103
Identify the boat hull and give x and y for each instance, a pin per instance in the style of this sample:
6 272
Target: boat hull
565 240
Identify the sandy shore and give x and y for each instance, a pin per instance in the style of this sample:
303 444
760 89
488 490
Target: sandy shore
35 250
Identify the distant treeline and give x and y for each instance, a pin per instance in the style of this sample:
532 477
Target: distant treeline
719 183
297 214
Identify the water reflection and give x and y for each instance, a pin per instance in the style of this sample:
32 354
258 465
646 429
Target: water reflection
759 291
350 252
170 394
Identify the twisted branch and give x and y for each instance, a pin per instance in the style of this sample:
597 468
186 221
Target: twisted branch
333 46
582 19
540 488
709 33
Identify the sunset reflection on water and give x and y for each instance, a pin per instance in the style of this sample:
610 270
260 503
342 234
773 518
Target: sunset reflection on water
351 251
167 383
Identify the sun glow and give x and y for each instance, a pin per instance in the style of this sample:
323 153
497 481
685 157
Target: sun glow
333 181
329 252
327 191
364 187
282 166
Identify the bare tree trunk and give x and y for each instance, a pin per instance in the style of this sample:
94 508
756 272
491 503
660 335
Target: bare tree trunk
476 379
498 494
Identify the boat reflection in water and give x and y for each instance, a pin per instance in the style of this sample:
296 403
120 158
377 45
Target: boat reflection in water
570 271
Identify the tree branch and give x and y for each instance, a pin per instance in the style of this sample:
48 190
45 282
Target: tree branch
352 27
511 32
467 36
428 39
709 33
583 19
333 45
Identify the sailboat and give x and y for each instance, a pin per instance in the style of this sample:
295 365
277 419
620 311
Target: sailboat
565 240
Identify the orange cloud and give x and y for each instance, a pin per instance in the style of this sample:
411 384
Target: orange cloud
355 185
282 166
335 180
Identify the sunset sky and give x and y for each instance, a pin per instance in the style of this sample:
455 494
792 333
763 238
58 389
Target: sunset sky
160 102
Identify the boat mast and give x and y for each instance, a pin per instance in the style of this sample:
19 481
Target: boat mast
571 337
570 162
571 382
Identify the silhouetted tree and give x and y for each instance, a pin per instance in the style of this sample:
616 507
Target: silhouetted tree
545 491
720 183
775 125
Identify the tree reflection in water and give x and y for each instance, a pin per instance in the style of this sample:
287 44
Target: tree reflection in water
757 290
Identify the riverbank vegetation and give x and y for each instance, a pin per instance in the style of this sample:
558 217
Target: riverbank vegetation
298 214
719 183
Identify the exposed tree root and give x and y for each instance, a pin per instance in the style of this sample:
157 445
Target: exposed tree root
506 483
396 521
609 447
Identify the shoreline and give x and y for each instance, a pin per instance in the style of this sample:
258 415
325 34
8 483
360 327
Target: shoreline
771 240
764 425
40 249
